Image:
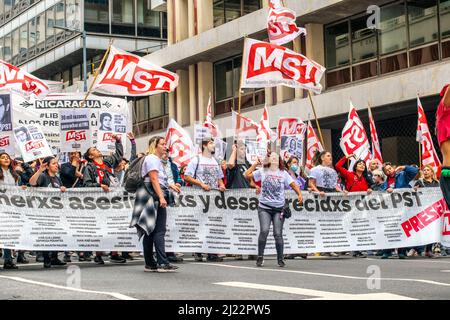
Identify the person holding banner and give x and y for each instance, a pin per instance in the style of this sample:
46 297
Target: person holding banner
356 180
443 134
46 177
71 172
323 178
203 171
274 180
156 184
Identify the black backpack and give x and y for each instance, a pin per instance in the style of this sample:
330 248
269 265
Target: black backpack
133 176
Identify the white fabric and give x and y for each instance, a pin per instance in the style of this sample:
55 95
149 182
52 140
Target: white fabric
325 177
153 163
273 185
208 172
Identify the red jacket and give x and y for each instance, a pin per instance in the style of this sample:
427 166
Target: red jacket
353 183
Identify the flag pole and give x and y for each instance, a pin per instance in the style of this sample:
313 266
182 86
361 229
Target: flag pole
315 116
240 80
96 73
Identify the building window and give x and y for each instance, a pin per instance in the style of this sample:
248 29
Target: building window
228 10
96 16
23 48
148 21
123 17
50 31
15 46
7 48
444 15
32 37
150 114
73 14
2 44
40 33
226 85
76 73
59 21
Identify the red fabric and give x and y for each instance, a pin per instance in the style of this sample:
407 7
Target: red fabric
391 182
101 170
443 123
353 183
225 180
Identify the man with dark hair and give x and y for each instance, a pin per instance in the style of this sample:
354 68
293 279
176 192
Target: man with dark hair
105 122
99 173
22 134
203 171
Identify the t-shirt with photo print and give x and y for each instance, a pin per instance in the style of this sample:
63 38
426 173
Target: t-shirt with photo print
208 171
273 185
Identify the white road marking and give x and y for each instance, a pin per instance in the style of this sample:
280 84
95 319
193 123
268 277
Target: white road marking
329 274
411 260
116 295
445 270
319 295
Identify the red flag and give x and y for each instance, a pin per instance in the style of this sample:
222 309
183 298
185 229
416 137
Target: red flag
209 123
265 133
269 65
354 138
281 25
376 150
126 74
313 145
15 79
290 127
429 155
243 126
179 143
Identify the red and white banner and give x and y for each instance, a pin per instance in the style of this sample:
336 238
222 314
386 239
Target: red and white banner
19 81
31 142
429 155
376 150
179 143
269 65
275 4
354 138
313 145
243 126
290 127
126 74
76 134
265 133
209 123
281 25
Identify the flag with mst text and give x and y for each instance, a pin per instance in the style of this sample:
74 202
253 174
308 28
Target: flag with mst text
281 25
179 143
19 81
429 155
269 65
126 74
354 138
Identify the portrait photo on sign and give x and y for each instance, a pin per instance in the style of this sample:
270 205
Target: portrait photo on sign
22 134
5 113
289 144
106 121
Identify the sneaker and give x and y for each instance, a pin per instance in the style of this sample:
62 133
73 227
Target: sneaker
411 253
303 256
81 259
359 254
39 257
259 261
333 254
281 263
166 268
214 258
9 265
67 259
57 262
99 260
117 259
21 259
153 268
198 257
47 264
127 256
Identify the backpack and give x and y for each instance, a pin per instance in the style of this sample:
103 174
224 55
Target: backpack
133 176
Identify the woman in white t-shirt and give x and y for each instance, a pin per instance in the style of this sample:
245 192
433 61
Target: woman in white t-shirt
157 186
323 178
274 180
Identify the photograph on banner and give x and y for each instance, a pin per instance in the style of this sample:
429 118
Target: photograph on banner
221 149
46 113
32 143
75 130
110 124
291 145
5 113
255 150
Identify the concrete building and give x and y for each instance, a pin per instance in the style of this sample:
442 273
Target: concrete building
28 39
387 67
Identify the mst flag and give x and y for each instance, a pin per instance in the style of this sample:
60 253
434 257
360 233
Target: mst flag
376 150
269 65
313 145
281 25
354 138
126 74
179 143
15 79
265 133
290 127
429 155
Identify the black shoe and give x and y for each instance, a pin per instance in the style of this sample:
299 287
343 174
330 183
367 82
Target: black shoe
99 260
214 258
153 268
198 257
21 259
259 261
289 256
175 259
303 256
167 268
47 264
281 263
127 256
39 258
67 259
117 259
9 265
57 262
81 259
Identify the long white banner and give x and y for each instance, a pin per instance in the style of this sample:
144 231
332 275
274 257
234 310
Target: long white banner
91 220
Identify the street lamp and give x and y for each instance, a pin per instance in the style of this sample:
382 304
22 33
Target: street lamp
83 36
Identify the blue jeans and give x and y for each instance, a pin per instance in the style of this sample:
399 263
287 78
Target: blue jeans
7 255
265 218
156 238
